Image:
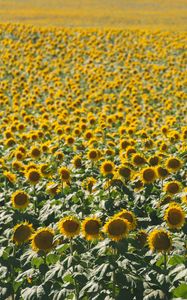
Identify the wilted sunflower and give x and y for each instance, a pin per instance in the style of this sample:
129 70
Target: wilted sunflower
174 216
107 167
22 233
148 175
129 216
69 226
64 174
173 164
90 228
116 228
20 199
42 240
172 187
33 176
159 240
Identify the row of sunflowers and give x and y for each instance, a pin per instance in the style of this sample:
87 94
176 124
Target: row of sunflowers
93 153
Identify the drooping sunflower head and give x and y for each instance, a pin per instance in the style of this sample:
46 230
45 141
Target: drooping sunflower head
173 164
107 167
45 170
52 188
124 171
22 233
174 216
129 216
141 238
64 174
20 199
69 226
10 176
172 187
159 240
90 228
116 228
42 240
148 175
33 176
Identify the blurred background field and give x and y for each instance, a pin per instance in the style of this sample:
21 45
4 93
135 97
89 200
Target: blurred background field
159 14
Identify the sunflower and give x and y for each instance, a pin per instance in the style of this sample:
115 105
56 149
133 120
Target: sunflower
129 216
88 184
33 176
159 240
45 170
172 187
148 175
69 226
138 159
20 199
124 172
22 233
10 176
35 152
107 167
92 155
154 160
52 188
173 164
64 174
116 228
77 162
174 216
162 173
90 228
42 240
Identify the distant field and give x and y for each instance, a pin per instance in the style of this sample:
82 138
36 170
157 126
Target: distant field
164 14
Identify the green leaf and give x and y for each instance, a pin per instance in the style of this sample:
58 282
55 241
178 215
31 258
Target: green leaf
181 291
176 259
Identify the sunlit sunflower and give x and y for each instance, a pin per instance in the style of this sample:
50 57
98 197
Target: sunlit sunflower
116 228
22 233
77 161
88 184
45 170
138 159
69 226
52 188
124 172
33 176
148 175
42 240
129 216
92 155
159 240
64 174
20 199
174 216
172 187
10 176
162 173
35 152
107 167
184 196
90 228
173 164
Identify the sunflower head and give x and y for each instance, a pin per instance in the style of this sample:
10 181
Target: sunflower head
138 159
129 216
20 199
124 171
184 197
116 228
172 187
173 164
174 216
33 176
141 238
69 226
107 167
90 228
42 240
162 173
64 174
92 155
148 175
159 240
22 233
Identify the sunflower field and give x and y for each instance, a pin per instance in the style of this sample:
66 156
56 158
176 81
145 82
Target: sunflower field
93 153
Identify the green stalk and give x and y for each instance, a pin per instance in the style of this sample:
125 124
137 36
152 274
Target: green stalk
75 282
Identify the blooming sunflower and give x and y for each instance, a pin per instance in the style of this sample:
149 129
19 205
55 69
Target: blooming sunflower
52 188
92 155
22 233
129 216
116 228
162 173
42 240
107 167
173 164
88 184
69 226
172 187
20 199
124 172
159 240
33 176
77 162
90 228
64 174
138 159
10 176
174 216
148 175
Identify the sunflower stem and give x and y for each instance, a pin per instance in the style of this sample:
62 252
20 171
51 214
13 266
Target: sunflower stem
35 199
165 262
75 282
